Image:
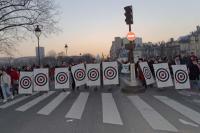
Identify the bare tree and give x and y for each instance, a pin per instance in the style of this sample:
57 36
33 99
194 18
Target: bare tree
19 17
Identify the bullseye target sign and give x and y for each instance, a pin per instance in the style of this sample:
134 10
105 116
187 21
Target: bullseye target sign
147 73
79 74
163 76
61 78
110 73
25 83
41 80
93 74
181 78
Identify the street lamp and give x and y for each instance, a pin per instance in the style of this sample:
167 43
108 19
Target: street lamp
38 33
66 48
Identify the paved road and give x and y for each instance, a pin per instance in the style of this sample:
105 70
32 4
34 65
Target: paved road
87 111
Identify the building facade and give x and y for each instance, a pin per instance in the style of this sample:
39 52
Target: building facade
41 51
190 43
117 45
120 44
182 46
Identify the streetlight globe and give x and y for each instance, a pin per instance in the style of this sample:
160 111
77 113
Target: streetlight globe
38 31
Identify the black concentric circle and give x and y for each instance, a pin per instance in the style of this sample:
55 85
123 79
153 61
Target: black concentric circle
41 79
93 74
181 76
110 73
162 75
25 82
147 73
79 74
62 77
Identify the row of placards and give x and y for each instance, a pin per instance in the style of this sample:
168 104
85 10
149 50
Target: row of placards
163 76
38 80
90 74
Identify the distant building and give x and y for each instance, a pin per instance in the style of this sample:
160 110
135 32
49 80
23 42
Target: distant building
190 43
138 42
165 49
183 46
119 44
41 51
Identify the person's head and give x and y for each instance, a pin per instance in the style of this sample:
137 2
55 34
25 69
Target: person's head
192 58
2 72
177 57
192 54
140 60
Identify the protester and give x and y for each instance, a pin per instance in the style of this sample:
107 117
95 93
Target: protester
14 74
71 79
194 73
140 73
177 60
5 80
150 63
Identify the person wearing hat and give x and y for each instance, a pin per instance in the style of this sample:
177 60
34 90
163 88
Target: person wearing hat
5 81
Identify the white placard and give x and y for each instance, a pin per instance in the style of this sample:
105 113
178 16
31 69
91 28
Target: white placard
93 74
110 73
181 77
147 73
25 83
41 79
162 74
79 74
61 78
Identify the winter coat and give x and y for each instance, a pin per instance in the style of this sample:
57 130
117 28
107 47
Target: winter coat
5 79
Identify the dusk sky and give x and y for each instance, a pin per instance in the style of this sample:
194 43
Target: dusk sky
89 26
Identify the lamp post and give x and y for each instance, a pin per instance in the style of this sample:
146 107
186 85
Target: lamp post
66 48
38 33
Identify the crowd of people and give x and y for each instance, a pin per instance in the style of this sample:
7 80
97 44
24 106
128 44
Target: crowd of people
190 61
9 83
9 77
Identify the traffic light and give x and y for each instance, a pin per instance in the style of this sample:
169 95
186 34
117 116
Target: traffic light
128 14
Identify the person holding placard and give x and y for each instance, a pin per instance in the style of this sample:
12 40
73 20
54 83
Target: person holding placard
194 73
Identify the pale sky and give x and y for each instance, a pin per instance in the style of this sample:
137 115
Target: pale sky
89 26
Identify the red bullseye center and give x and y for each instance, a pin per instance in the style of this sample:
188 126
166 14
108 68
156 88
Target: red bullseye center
110 72
93 74
80 74
62 77
26 82
162 74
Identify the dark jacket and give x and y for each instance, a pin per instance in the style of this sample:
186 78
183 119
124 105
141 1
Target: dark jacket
193 71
